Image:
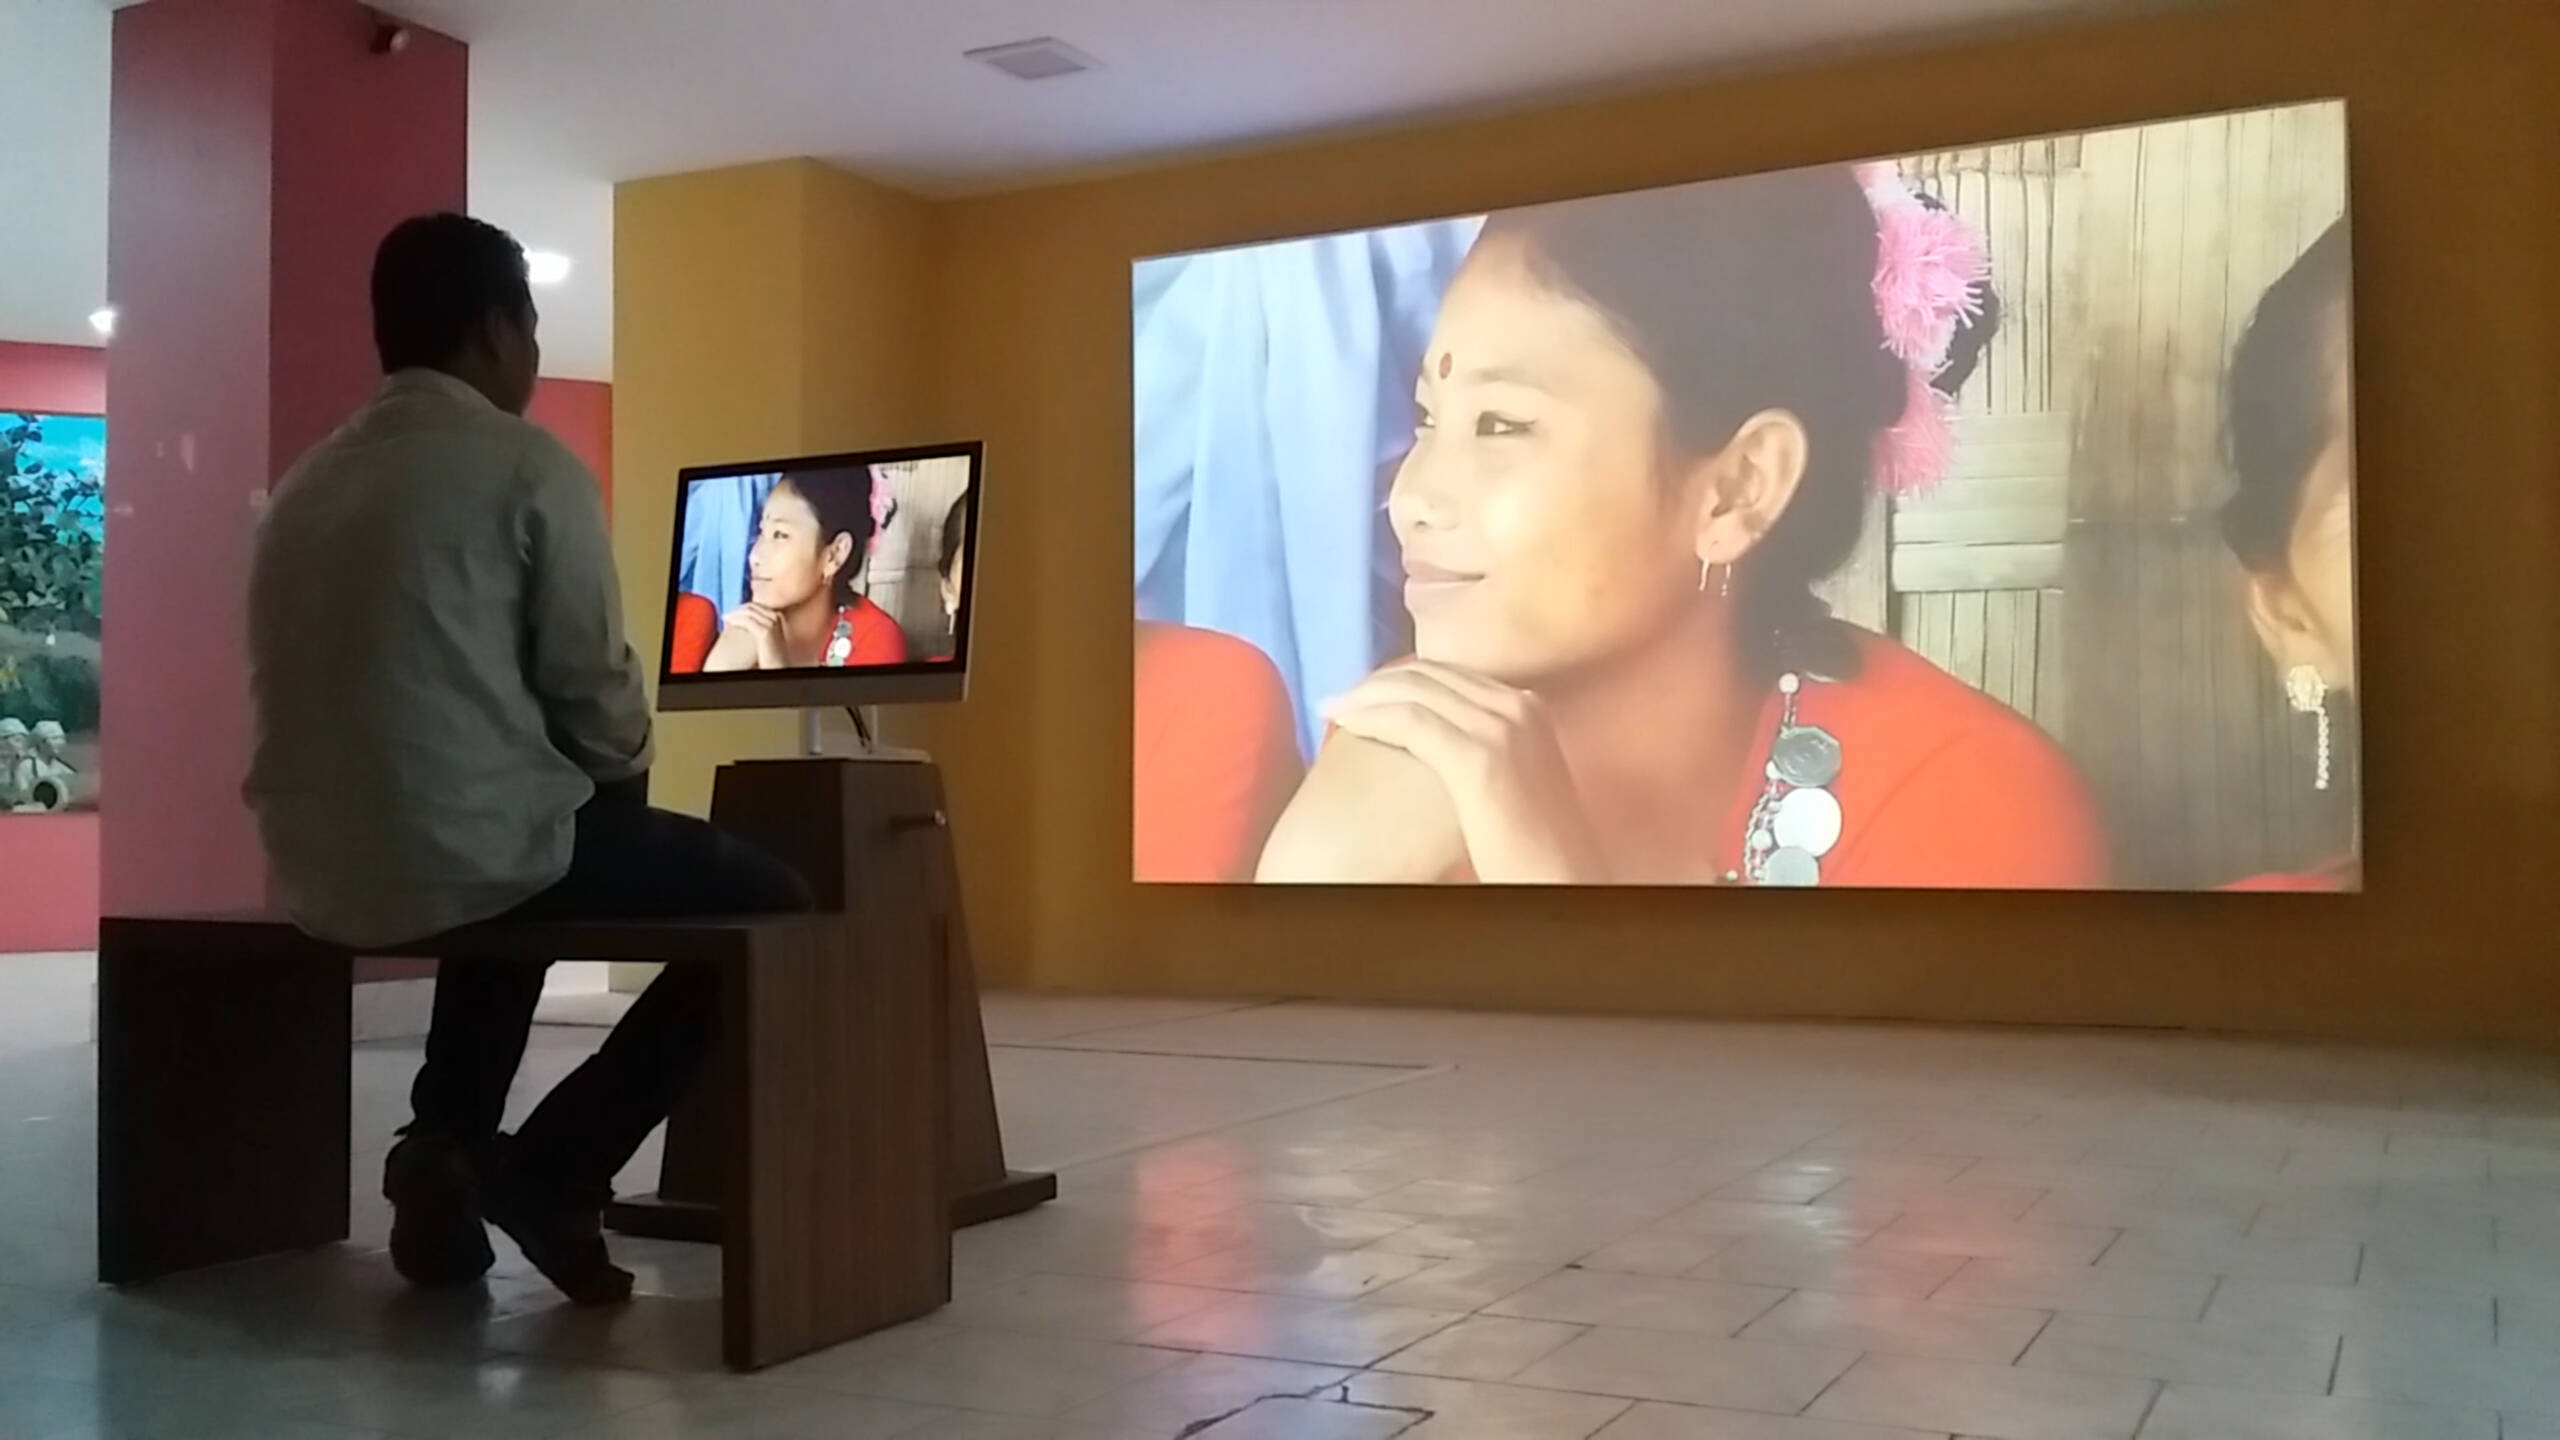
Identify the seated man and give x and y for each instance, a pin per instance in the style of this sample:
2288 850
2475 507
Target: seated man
451 728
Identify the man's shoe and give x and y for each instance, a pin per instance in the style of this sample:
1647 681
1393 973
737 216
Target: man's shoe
436 1236
565 1243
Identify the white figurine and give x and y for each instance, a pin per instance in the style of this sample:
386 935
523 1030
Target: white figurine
17 764
54 780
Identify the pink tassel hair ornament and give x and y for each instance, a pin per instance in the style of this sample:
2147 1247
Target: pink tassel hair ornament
1931 266
1917 453
883 505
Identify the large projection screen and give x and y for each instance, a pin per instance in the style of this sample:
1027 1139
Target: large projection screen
1981 519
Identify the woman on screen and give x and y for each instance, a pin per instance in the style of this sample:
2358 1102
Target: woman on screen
1648 424
812 533
2289 430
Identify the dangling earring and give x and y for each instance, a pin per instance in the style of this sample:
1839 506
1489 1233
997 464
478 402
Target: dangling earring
1723 583
2309 695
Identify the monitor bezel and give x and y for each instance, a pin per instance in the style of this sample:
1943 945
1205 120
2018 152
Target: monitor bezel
910 683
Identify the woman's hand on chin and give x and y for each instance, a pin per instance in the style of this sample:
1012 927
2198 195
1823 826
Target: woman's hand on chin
1495 751
740 634
750 639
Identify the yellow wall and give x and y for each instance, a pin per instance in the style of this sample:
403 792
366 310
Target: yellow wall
766 311
759 312
2457 180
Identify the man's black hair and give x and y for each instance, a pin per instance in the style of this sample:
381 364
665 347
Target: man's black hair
436 278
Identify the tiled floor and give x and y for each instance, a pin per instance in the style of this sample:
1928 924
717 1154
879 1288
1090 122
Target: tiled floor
1303 1222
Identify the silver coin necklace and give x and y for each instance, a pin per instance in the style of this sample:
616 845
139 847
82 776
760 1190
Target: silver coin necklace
1797 820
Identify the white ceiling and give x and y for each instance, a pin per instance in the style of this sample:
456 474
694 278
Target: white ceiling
53 175
53 170
569 96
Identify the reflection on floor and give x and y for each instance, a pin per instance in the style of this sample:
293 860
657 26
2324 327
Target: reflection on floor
1319 1222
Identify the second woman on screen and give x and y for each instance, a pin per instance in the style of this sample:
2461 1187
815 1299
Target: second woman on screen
2289 433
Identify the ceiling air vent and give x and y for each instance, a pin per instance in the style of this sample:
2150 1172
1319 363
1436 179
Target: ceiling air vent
1043 59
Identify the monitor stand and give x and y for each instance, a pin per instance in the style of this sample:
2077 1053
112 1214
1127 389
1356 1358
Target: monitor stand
867 746
874 841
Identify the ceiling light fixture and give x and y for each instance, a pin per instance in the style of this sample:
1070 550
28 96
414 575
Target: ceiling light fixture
103 320
1046 58
546 267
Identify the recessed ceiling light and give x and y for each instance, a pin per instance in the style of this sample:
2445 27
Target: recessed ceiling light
103 320
546 267
1046 58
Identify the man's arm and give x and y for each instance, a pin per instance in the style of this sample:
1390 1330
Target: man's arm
579 661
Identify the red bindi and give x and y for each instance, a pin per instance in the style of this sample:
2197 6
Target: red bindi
1445 364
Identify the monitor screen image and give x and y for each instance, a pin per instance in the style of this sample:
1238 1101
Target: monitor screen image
830 580
1979 519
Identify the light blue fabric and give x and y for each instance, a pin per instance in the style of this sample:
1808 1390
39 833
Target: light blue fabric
719 526
1274 396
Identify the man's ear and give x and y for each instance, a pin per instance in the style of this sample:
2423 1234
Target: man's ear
490 336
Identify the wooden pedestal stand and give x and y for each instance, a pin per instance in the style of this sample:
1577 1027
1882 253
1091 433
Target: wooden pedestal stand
874 840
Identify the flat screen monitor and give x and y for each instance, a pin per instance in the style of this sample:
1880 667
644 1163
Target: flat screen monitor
1977 518
823 581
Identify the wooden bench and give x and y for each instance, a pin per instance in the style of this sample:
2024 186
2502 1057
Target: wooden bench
224 1108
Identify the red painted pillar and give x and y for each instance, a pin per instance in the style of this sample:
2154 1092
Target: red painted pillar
260 150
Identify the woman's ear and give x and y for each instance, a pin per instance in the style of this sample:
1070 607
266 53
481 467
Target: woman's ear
837 555
2287 627
1747 485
